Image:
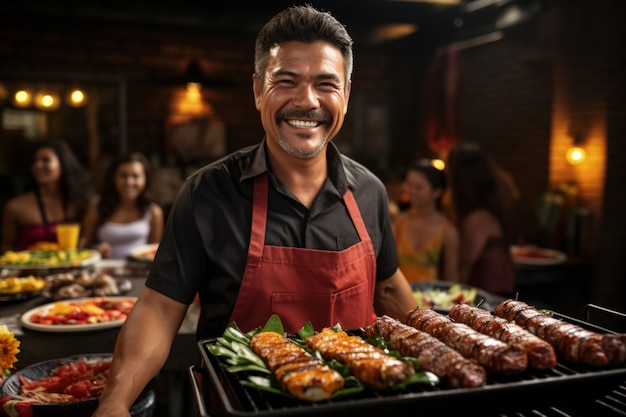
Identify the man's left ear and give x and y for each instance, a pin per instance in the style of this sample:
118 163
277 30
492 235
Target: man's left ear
257 88
346 93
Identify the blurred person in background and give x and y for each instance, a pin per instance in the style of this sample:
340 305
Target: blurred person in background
427 242
124 216
58 191
481 194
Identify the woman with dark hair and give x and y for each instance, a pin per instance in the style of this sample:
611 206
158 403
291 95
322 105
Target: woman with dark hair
427 242
125 215
58 191
479 206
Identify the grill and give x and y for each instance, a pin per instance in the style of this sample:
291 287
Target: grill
567 390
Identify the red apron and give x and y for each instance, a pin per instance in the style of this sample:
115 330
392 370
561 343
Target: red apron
300 285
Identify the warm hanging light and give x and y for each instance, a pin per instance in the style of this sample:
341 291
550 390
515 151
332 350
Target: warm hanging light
438 163
22 98
76 97
47 101
575 155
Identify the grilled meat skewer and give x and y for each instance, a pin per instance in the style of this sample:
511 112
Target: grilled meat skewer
571 342
368 363
540 353
495 356
297 371
434 355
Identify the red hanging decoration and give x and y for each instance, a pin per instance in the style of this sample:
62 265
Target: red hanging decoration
442 99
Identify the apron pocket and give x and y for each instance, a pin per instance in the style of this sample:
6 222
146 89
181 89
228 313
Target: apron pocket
350 307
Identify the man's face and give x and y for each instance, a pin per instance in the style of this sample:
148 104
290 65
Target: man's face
304 98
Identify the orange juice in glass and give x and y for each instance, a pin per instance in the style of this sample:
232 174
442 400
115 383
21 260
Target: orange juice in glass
67 235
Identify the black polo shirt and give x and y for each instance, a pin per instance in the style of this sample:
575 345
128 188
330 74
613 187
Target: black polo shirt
205 241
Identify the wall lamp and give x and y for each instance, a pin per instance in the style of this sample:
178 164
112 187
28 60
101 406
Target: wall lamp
576 153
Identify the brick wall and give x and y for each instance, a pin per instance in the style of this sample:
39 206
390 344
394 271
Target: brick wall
511 90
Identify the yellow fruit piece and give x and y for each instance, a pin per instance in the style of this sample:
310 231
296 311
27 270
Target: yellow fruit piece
92 309
63 308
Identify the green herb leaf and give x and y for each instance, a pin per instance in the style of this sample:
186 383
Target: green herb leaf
233 334
306 331
421 378
274 324
247 368
261 381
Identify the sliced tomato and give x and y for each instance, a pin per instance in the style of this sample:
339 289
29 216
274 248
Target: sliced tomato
48 384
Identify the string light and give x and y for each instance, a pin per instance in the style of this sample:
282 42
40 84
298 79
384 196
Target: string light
76 97
22 98
46 101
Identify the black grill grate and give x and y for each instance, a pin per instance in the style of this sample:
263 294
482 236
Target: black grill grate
567 390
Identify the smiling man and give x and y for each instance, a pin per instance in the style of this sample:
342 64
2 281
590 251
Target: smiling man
288 226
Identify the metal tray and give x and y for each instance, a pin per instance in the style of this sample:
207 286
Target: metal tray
228 397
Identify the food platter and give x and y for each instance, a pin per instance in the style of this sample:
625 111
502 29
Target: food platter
27 318
534 255
80 284
12 387
123 285
144 253
20 288
445 294
49 259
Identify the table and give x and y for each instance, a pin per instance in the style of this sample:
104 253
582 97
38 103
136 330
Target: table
38 346
562 287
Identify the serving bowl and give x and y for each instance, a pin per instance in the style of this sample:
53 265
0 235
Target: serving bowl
143 407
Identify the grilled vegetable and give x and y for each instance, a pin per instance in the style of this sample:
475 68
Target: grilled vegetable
368 363
540 353
495 356
571 342
434 355
296 370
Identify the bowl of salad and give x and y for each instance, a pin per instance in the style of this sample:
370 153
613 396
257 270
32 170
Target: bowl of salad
442 295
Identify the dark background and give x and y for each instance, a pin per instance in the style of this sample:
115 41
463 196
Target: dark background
557 73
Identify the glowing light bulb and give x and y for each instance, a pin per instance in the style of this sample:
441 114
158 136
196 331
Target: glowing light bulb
22 98
438 163
47 100
77 97
575 155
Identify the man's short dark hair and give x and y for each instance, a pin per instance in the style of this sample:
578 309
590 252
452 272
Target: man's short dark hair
302 24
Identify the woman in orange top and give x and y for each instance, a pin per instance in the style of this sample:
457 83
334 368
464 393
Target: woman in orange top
427 242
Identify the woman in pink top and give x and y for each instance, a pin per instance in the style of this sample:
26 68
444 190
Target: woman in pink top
59 191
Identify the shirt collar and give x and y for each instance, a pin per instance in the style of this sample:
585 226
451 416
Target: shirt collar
257 164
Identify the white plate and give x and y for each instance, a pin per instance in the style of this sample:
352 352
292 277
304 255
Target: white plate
70 328
91 260
536 255
144 252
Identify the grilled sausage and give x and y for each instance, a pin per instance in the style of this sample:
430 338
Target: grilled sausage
296 370
367 362
570 341
434 355
540 353
495 356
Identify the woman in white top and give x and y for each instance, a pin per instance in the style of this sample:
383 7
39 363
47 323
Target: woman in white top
125 216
